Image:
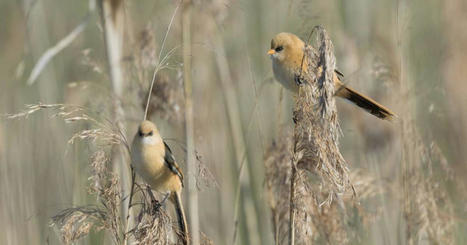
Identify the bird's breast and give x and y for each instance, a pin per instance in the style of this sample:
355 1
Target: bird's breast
149 164
285 75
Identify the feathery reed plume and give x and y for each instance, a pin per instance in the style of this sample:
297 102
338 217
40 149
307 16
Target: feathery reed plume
112 18
103 133
105 185
313 222
153 228
153 224
278 179
166 97
426 208
145 58
314 150
74 223
316 132
428 211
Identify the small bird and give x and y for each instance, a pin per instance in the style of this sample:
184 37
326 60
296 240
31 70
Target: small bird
289 63
152 159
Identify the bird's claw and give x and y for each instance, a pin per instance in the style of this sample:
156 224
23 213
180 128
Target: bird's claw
156 205
299 80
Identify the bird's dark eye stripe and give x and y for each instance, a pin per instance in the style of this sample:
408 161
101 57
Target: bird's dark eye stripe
140 133
280 48
150 133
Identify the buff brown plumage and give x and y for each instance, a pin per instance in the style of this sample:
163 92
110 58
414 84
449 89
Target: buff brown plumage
152 159
289 62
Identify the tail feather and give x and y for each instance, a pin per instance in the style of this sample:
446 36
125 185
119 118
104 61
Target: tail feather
365 103
177 199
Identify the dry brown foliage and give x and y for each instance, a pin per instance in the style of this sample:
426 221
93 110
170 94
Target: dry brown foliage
153 226
316 133
428 211
322 174
314 222
74 223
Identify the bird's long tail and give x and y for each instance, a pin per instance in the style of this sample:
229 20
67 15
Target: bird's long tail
364 102
177 200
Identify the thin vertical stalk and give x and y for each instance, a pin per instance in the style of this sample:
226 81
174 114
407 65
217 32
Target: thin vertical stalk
239 142
406 155
189 124
292 204
112 16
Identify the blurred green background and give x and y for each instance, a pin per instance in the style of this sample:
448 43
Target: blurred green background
409 55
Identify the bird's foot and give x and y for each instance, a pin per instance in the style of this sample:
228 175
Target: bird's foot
299 80
155 206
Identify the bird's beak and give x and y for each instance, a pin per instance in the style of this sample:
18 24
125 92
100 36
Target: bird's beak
271 52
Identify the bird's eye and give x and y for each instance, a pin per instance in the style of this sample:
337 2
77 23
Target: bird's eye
280 48
150 133
140 134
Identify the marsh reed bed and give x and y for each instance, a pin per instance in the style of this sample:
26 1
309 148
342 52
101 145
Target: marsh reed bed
68 117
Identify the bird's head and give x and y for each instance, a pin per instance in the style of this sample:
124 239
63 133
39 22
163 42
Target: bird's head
286 47
147 133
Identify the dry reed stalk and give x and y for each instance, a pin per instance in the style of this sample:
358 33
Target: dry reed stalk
314 149
153 225
162 62
165 96
189 124
74 223
57 48
313 222
162 97
112 16
316 132
38 41
239 142
427 210
278 182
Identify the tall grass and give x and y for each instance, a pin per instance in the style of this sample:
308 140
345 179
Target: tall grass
357 180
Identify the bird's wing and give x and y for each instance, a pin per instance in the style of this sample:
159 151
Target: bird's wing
169 160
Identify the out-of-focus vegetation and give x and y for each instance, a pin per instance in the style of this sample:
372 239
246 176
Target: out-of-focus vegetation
409 175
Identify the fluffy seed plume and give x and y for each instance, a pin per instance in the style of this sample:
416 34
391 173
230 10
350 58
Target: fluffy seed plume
316 132
305 211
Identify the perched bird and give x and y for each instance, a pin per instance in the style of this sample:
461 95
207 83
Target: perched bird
152 159
289 62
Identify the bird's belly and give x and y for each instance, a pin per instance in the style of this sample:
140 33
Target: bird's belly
286 77
155 174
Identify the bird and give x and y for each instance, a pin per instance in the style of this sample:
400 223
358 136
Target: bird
152 159
289 63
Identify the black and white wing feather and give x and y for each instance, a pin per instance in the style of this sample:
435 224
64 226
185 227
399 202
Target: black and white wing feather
170 162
